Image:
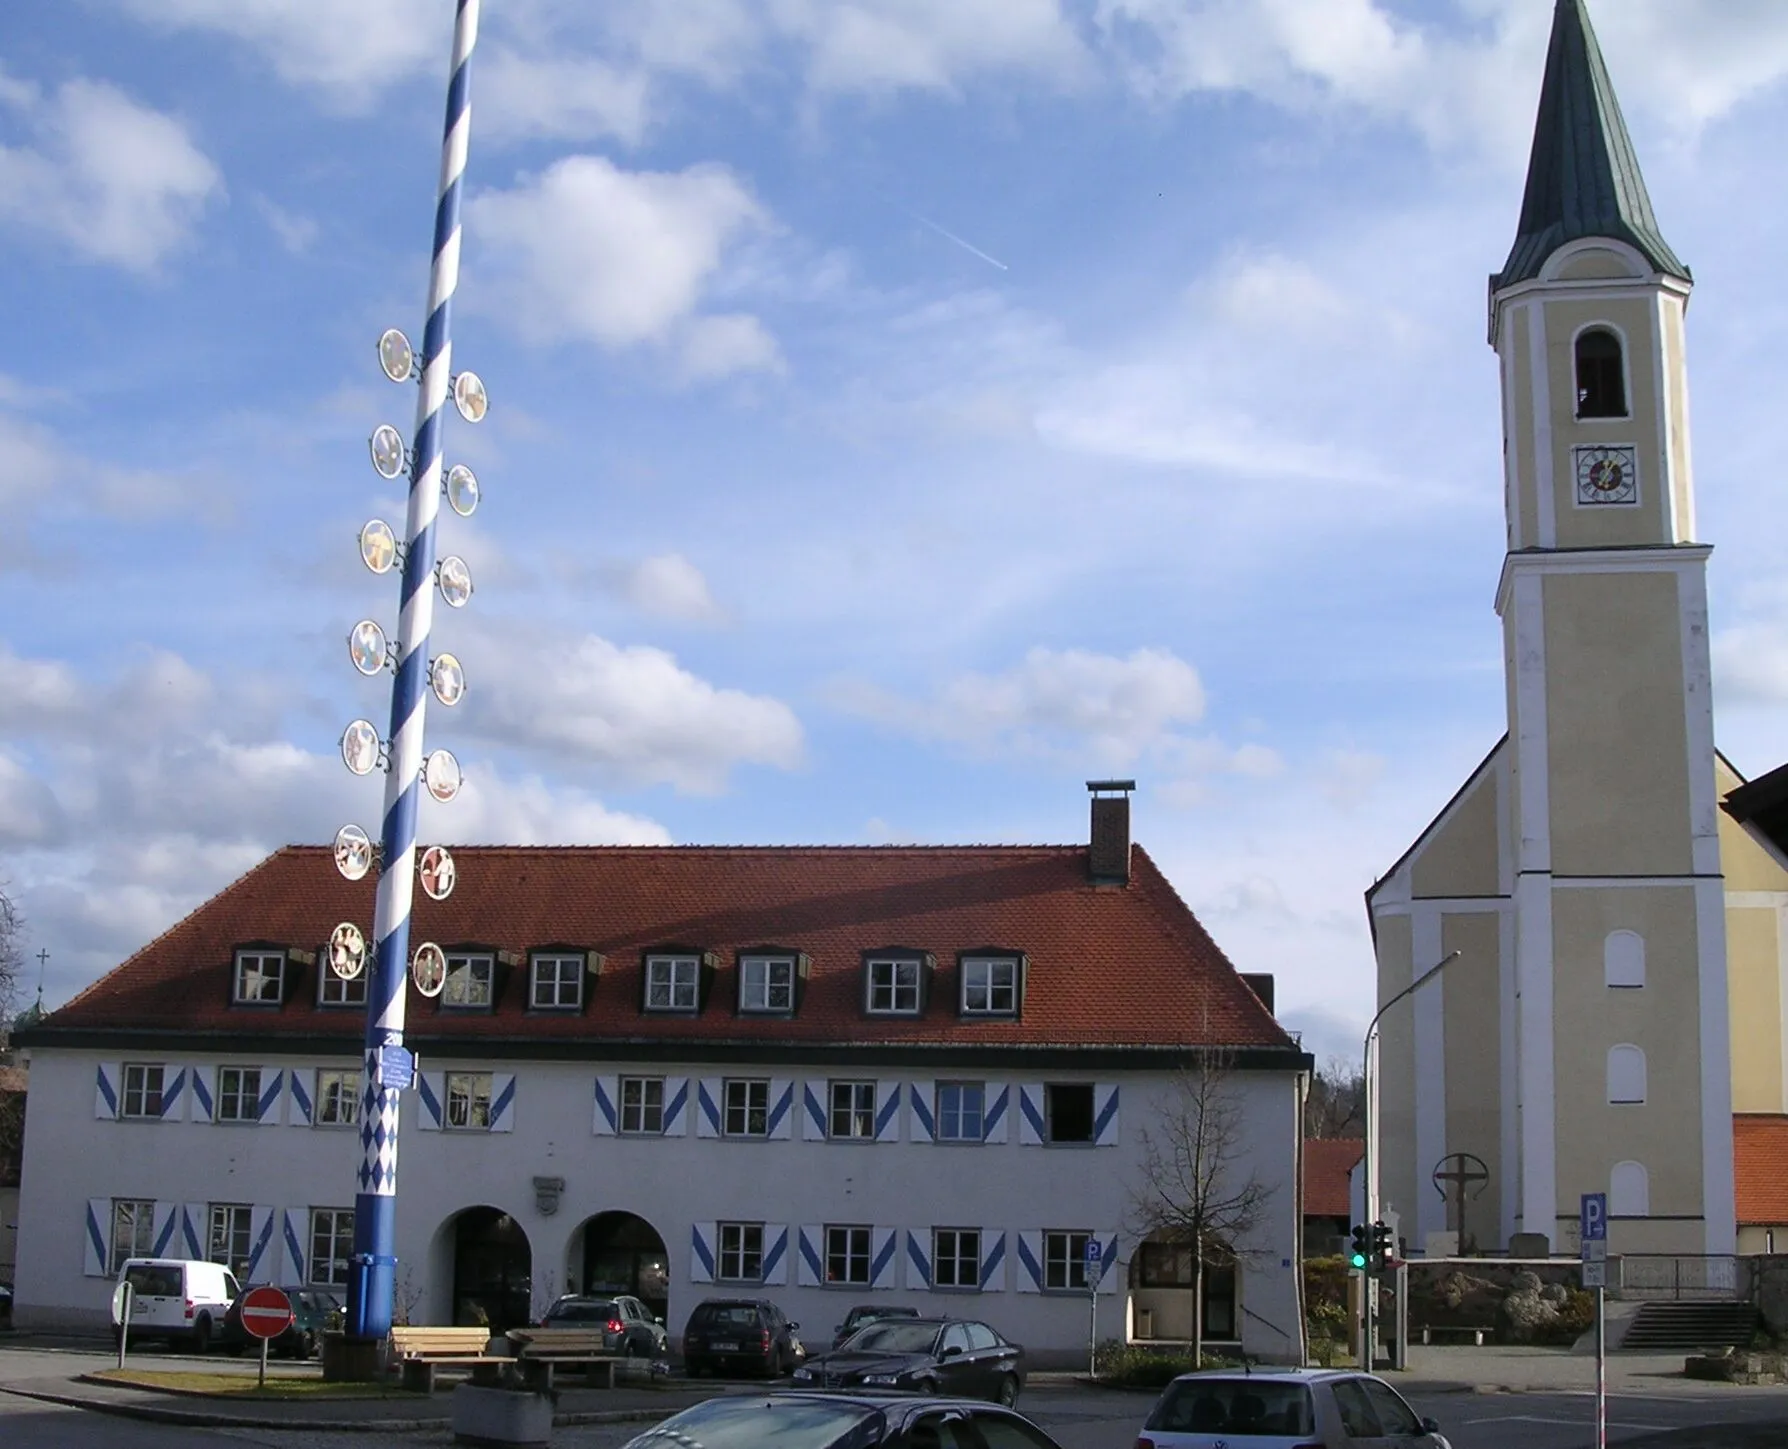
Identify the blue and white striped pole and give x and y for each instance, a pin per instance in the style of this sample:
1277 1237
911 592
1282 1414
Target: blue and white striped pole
372 1283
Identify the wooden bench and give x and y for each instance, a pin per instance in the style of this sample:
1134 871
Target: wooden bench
420 1351
540 1350
1477 1334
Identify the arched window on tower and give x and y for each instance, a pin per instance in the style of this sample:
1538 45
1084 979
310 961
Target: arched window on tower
1626 1074
1629 1191
1601 375
1623 959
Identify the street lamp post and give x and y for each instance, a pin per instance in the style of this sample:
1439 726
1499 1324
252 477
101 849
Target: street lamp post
388 1067
1369 1165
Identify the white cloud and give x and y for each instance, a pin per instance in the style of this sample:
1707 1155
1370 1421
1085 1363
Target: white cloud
348 49
528 811
295 233
631 713
589 252
669 586
116 181
559 98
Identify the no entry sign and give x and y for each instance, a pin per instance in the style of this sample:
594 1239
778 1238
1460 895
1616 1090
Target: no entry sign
266 1312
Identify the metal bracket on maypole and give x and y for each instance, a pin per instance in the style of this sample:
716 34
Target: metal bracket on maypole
388 1066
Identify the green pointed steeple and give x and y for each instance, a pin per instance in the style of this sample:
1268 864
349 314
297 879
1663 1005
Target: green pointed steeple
1583 178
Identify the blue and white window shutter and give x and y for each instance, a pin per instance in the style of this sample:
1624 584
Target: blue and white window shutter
297 1245
993 1260
676 1106
813 1112
272 1088
165 1229
1105 1114
918 1260
263 1253
701 1252
920 1098
299 1112
605 1119
195 1230
173 1094
96 1241
708 1094
810 1255
203 1081
110 1081
887 1111
776 1255
782 1109
996 1124
502 1101
884 1257
431 1091
1033 1129
1030 1260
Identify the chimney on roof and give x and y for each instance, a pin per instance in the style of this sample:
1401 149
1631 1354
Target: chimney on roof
1261 984
1108 856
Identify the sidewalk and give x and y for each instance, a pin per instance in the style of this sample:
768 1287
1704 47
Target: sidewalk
1508 1368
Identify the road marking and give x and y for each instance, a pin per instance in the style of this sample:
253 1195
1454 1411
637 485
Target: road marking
1569 1423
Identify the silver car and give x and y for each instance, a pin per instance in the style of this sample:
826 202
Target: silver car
1285 1409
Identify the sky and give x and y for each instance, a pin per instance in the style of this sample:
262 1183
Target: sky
902 412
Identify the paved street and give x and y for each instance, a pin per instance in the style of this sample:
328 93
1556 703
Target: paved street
1651 1404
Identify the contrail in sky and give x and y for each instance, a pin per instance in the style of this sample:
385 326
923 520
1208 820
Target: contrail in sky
951 236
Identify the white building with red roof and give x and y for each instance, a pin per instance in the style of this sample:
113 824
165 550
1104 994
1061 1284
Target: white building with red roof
820 1075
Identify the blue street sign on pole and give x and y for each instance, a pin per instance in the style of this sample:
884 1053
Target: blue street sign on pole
1093 1255
1594 1217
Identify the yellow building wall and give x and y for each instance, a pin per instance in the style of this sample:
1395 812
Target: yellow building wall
1473 1017
1396 1053
1460 858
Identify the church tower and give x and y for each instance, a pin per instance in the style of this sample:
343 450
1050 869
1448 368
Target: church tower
1580 1040
1623 1076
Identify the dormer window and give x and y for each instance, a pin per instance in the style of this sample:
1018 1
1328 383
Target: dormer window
333 990
1601 375
673 983
767 984
990 985
259 979
471 979
893 985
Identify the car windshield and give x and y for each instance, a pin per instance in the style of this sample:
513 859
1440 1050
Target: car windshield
766 1424
1240 1408
728 1315
148 1281
857 1317
893 1336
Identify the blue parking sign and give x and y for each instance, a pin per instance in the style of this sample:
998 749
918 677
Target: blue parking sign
1092 1255
1594 1217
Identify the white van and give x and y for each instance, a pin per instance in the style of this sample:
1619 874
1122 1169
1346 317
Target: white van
179 1299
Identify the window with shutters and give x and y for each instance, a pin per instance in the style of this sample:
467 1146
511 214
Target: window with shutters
642 1106
747 1107
338 1098
956 1257
741 1253
853 1110
1068 1111
228 1238
133 1230
468 1100
331 1246
1064 1258
960 1111
142 1090
847 1255
238 1094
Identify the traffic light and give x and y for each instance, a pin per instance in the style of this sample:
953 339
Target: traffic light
1360 1258
1383 1248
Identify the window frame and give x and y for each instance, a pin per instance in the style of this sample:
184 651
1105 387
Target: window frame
957 1258
471 1100
849 1254
341 1235
746 1108
845 1104
262 954
235 1222
348 1077
579 964
236 1095
769 962
643 1108
673 961
142 1091
141 1212
740 1251
337 992
895 988
941 1113
1070 1260
1632 1068
988 961
463 966
1578 391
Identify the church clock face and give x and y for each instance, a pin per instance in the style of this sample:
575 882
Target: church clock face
1607 475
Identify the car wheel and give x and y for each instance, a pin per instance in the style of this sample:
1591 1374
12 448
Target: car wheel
634 1349
201 1334
925 1386
1007 1393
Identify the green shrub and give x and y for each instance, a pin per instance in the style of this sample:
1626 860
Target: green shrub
1133 1366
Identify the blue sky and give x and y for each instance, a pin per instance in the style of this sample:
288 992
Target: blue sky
903 411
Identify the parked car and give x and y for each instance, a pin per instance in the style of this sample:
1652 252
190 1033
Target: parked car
928 1355
626 1325
314 1312
181 1300
866 1313
1284 1409
844 1421
739 1334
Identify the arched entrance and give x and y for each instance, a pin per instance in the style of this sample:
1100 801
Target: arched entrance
493 1270
623 1253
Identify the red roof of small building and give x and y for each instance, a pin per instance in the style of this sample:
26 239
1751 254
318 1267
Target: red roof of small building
1327 1163
1107 966
1760 1169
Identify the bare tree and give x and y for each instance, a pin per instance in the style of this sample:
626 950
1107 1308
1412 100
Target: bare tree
1196 1190
1336 1106
12 953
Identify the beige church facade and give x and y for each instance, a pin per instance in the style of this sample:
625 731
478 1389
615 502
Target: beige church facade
1622 923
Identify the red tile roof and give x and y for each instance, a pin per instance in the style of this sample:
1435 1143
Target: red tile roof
1108 966
1327 1163
1760 1169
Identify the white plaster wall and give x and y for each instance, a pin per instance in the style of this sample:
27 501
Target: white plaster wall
70 1156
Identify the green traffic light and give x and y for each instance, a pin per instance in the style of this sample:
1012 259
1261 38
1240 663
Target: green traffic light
1358 1261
